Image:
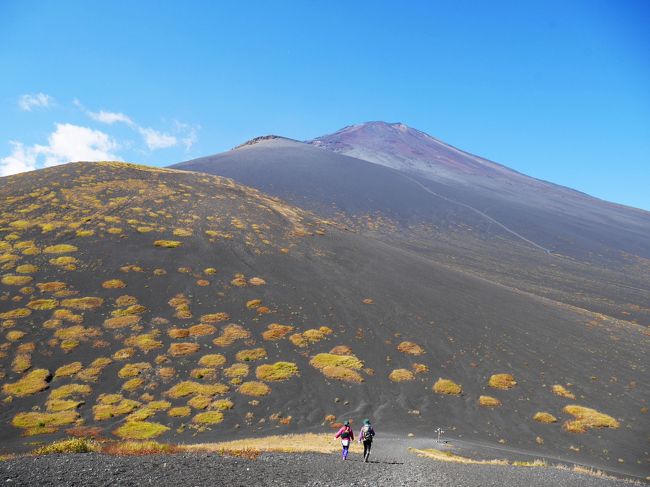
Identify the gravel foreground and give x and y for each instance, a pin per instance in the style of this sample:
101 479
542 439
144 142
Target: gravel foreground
271 469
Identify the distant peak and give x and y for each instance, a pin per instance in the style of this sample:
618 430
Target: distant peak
262 138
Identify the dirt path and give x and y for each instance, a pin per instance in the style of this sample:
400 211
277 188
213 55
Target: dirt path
387 467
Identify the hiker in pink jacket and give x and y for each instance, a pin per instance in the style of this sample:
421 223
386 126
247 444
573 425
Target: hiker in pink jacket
347 436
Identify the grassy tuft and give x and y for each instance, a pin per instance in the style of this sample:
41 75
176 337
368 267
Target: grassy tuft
140 430
70 445
180 349
254 388
132 370
502 381
559 390
187 388
113 284
208 417
544 417
323 360
121 321
400 375
489 401
167 244
447 386
276 372
410 348
60 249
86 303
31 383
179 412
276 331
586 418
16 280
337 372
129 448
214 318
68 370
36 422
250 355
212 360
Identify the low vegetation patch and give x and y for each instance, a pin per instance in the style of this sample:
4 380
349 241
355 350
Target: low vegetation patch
179 412
308 442
37 423
230 334
337 372
167 244
129 448
401 375
187 388
212 360
502 381
133 370
410 348
489 401
447 456
447 386
102 412
251 354
70 445
544 417
276 372
31 383
60 249
140 430
276 331
202 329
586 418
122 321
180 349
209 417
68 370
214 318
254 388
323 360
114 284
560 390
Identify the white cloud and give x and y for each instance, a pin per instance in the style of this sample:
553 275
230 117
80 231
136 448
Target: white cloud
67 143
110 117
188 133
34 100
157 140
20 160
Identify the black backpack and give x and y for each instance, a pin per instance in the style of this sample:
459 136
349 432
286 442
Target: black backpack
367 433
345 435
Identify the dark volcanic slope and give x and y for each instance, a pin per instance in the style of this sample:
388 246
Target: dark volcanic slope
122 279
550 254
556 217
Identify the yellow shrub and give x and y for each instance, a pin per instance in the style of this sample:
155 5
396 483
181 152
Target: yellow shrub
45 422
31 383
212 360
254 388
122 321
327 359
16 280
186 388
410 348
559 390
169 244
202 330
179 349
399 375
502 381
214 318
544 417
68 370
209 417
222 404
113 284
132 370
41 304
277 371
26 269
179 412
60 249
341 373
489 401
587 418
106 411
140 430
446 386
145 342
82 303
69 390
236 370
15 313
199 401
251 354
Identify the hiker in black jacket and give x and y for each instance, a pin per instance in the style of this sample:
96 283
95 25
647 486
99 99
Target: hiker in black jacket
366 435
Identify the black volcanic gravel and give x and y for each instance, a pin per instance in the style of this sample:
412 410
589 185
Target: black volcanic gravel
275 469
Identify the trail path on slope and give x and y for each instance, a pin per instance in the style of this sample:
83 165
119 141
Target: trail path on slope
480 213
391 465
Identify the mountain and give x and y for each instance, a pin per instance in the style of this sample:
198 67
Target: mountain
536 237
143 302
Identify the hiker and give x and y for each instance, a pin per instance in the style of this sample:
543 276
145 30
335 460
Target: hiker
366 435
347 436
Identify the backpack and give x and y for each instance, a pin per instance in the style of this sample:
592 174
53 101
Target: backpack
367 433
345 434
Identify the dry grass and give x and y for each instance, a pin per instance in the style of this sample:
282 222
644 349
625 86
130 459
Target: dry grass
251 354
60 249
341 373
308 442
323 360
41 304
489 401
121 321
16 280
276 331
214 318
447 456
69 390
26 269
544 417
208 417
254 388
102 412
222 404
131 448
167 244
341 350
278 371
181 349
140 430
178 333
68 370
559 390
114 284
187 388
15 313
230 334
237 370
410 348
179 412
586 418
199 402
145 342
57 405
86 303
70 445
212 360
400 375
38 423
133 370
502 381
419 368
132 384
447 386
31 383
202 329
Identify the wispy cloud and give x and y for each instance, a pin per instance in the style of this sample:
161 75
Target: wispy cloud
188 133
67 143
153 139
34 100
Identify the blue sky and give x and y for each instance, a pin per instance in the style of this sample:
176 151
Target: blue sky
557 90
